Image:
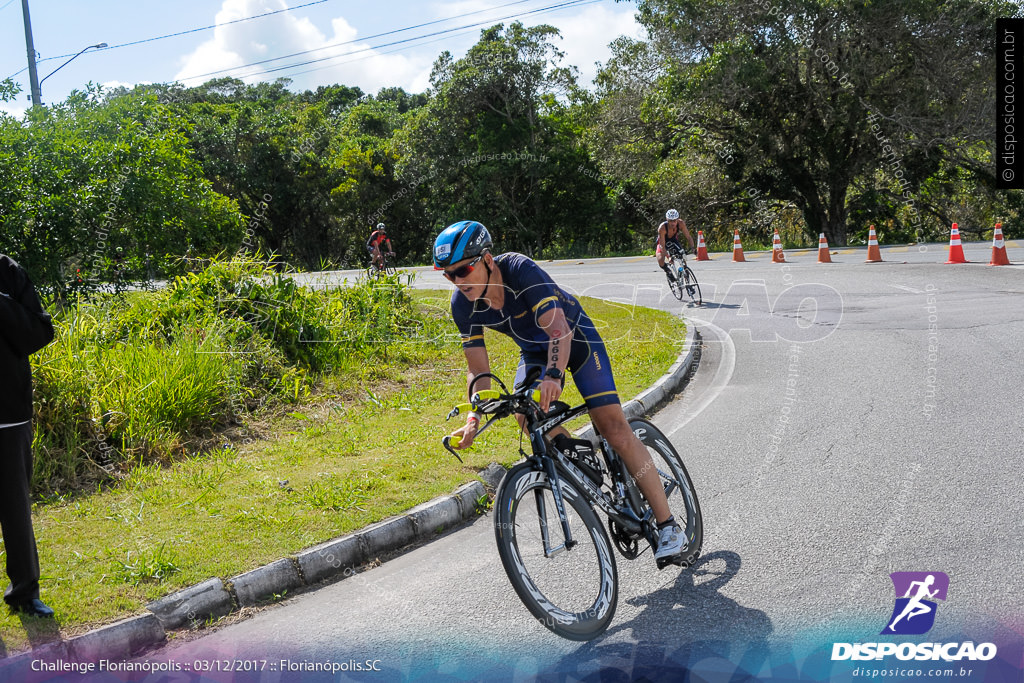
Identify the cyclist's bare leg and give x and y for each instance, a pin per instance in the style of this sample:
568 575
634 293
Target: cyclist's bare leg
611 422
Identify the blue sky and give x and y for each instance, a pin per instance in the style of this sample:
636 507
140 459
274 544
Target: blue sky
63 27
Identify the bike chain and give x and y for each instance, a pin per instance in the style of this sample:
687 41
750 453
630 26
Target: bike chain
628 546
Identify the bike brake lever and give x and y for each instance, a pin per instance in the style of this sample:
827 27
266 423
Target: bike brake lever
458 410
446 442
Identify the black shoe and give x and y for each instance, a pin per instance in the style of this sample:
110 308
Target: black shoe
34 608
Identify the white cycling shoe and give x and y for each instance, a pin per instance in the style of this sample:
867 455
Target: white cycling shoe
671 542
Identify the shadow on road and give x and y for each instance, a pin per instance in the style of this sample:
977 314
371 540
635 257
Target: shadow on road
686 626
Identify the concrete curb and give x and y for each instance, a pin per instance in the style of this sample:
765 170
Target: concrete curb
190 606
216 597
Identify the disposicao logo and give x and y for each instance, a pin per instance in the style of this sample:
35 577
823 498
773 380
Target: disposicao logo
914 614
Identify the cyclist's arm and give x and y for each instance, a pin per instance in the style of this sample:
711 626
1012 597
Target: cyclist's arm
477 363
553 322
661 237
689 238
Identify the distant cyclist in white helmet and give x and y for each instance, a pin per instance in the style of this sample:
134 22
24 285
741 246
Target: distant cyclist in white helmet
378 239
669 232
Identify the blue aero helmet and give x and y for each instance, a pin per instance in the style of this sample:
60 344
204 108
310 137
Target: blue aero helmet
459 241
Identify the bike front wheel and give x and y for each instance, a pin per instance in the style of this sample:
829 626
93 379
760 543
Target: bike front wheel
675 282
691 286
679 489
571 591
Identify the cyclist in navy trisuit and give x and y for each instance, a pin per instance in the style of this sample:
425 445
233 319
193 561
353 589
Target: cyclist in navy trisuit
510 294
669 232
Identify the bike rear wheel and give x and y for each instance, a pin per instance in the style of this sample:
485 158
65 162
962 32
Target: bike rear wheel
679 489
691 286
573 592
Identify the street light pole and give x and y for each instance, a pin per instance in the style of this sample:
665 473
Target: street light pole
33 78
100 45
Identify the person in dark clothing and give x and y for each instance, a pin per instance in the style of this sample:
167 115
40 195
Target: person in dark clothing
24 329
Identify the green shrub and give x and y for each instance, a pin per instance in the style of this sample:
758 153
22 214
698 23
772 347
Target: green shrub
148 375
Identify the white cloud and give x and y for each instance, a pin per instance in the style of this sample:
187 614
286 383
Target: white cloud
110 85
586 33
14 108
236 45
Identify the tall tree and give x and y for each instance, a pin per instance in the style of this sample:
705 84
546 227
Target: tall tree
492 145
808 96
93 189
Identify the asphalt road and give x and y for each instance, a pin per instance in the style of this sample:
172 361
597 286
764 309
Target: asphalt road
833 438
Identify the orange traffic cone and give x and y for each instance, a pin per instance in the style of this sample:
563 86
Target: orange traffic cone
999 257
956 249
702 249
777 255
874 254
737 248
823 255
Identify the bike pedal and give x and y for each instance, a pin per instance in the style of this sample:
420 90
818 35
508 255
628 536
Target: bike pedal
677 560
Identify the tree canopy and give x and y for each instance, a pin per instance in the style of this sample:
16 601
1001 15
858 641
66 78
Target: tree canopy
807 117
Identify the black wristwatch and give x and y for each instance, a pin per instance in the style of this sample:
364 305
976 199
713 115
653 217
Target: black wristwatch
554 373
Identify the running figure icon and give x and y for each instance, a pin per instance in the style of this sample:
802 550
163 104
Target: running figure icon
916 596
915 607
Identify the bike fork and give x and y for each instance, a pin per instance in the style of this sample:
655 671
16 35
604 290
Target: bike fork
556 493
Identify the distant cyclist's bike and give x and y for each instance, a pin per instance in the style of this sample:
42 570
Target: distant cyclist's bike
554 547
681 279
389 265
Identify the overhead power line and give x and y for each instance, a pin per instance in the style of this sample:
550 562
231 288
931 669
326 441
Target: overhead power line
179 33
562 5
579 3
206 28
399 49
357 40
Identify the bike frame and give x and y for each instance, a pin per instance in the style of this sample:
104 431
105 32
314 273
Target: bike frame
675 253
557 467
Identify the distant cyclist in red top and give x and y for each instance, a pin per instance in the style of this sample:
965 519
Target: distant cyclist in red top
378 238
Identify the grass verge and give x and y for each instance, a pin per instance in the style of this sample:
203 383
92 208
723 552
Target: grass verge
363 447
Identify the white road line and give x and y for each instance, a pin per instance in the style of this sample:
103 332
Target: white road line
722 374
908 289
